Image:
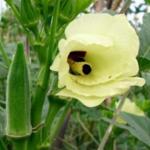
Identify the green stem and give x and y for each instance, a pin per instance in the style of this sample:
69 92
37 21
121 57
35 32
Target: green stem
19 144
54 106
42 85
16 12
50 116
38 105
110 127
41 88
12 6
60 120
4 54
19 18
2 145
53 31
54 129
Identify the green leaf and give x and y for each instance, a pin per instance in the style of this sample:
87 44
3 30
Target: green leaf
138 126
144 36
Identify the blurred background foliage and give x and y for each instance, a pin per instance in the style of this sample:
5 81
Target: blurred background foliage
86 126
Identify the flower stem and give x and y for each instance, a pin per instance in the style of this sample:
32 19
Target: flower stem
59 122
2 145
20 144
54 106
110 127
59 143
41 89
43 80
12 6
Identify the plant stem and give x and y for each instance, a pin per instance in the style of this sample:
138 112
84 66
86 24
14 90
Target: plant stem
42 83
59 143
110 127
4 54
2 145
16 13
54 107
56 129
13 8
41 89
20 144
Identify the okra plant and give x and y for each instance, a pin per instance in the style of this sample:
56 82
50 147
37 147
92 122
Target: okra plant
83 57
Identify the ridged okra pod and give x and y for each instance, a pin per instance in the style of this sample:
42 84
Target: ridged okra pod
18 97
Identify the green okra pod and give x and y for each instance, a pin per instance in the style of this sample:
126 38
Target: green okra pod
18 100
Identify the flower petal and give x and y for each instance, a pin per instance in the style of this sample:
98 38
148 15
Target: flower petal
92 24
78 43
111 47
55 65
92 39
132 108
107 65
112 88
129 107
89 101
108 62
115 27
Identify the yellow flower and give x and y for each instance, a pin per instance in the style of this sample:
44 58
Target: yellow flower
97 59
129 107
